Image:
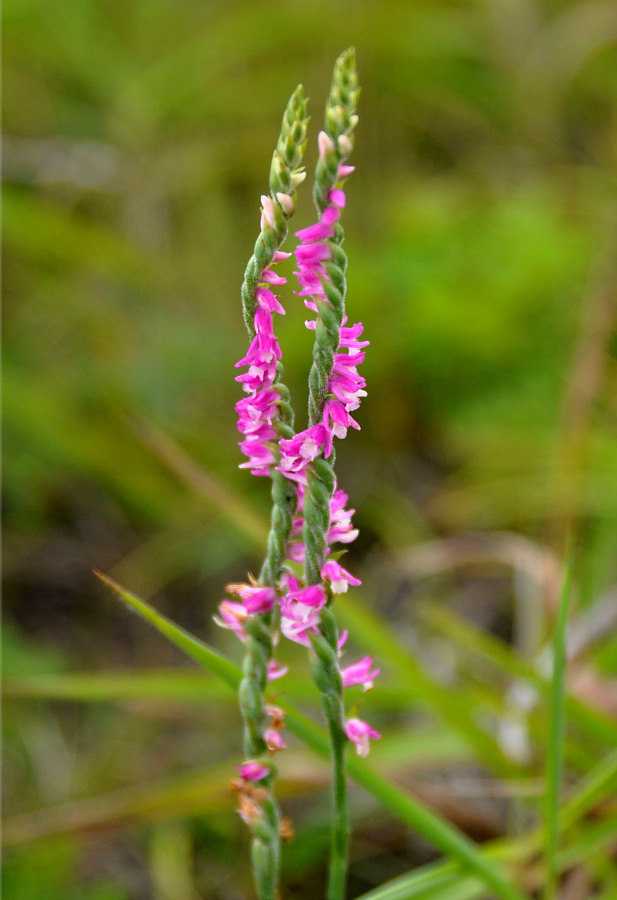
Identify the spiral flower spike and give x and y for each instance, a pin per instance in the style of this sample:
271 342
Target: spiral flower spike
269 399
335 145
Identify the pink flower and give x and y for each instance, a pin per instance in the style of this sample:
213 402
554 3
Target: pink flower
270 277
349 337
260 457
273 740
314 595
253 770
289 583
268 301
341 529
339 577
276 670
255 598
359 732
337 197
232 616
255 410
302 449
337 420
296 551
298 621
360 673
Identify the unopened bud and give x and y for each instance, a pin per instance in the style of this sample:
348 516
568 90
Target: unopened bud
268 210
345 144
325 144
287 204
297 177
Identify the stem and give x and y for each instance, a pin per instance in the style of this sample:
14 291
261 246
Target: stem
327 677
333 708
340 122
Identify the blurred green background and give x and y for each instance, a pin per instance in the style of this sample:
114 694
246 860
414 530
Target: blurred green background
481 229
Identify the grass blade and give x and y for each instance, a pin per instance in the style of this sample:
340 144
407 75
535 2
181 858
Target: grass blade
556 737
197 650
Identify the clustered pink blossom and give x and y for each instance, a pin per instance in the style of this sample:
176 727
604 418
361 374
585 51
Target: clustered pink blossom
257 412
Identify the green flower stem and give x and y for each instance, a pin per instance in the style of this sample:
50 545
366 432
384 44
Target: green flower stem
339 124
285 175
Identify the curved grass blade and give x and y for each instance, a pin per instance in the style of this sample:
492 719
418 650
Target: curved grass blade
197 650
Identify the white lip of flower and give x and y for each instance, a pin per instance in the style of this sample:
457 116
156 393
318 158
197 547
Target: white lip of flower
339 587
303 610
308 449
362 746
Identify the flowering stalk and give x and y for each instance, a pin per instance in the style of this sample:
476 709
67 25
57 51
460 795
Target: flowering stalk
322 274
265 416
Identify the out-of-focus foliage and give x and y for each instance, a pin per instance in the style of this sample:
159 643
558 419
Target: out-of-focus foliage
482 236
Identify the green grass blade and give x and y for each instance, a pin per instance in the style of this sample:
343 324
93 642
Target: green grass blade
175 685
435 829
556 739
591 790
196 649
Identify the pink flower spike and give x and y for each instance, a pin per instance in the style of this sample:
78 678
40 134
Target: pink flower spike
360 673
339 577
344 171
253 770
359 732
276 670
280 255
